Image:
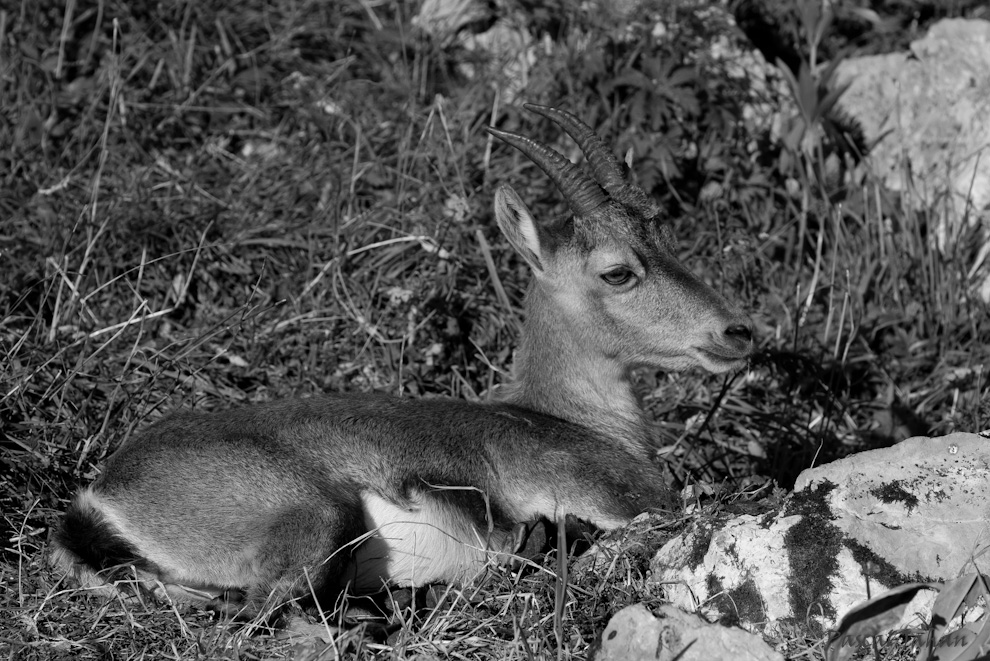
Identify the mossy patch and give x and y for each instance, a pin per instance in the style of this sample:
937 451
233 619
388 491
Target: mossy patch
811 501
813 545
879 569
740 604
701 540
894 492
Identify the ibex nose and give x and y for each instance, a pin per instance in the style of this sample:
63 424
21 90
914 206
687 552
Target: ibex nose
740 337
740 332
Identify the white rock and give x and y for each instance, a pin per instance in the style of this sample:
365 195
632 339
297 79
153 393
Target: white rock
634 634
445 18
922 505
930 108
508 48
741 557
918 510
754 575
512 54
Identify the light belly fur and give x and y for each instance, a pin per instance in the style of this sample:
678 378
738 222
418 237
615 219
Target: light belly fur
431 543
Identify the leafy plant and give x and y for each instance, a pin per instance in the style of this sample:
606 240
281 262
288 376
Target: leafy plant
967 641
806 134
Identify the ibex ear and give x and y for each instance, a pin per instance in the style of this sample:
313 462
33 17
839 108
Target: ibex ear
517 223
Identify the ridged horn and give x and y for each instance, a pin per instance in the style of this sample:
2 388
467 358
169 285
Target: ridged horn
604 165
583 195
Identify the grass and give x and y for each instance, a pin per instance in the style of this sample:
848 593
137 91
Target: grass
204 206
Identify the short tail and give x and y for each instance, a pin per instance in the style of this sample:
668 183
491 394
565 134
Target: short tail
91 548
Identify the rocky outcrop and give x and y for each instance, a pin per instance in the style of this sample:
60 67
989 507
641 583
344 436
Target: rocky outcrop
636 634
919 510
925 113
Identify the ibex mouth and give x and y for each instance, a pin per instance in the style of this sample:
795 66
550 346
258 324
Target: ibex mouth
721 359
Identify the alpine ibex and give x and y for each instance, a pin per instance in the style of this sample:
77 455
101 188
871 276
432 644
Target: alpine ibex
307 497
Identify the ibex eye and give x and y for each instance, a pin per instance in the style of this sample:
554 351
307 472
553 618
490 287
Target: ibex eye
617 277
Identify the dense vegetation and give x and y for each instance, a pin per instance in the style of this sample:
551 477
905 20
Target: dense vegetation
205 204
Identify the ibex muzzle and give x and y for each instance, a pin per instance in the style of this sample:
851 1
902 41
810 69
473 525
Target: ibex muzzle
308 497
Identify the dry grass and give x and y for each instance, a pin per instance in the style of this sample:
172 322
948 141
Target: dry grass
204 206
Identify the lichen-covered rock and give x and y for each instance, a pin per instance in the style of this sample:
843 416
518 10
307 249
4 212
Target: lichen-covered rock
919 510
761 573
923 505
635 634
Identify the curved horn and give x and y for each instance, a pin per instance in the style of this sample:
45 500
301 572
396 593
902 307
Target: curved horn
604 165
581 192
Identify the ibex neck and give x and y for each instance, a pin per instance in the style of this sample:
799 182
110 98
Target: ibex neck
557 373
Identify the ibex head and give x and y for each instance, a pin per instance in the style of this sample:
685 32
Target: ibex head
611 270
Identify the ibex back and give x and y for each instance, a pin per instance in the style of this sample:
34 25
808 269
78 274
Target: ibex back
308 497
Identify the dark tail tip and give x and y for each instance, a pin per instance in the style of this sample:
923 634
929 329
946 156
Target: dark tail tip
87 535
